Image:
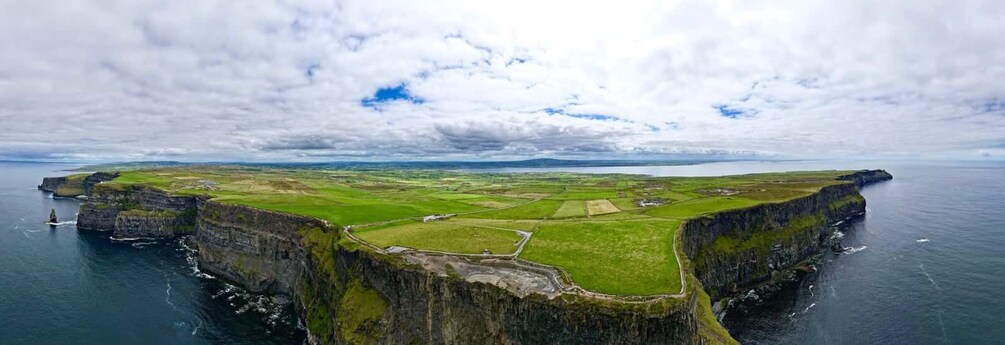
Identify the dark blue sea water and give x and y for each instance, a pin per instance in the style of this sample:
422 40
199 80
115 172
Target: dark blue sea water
61 286
929 269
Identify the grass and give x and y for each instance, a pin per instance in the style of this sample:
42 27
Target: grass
602 206
763 240
571 208
523 225
451 237
535 210
697 207
621 258
359 314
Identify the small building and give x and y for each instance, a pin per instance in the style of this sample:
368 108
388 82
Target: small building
649 202
435 217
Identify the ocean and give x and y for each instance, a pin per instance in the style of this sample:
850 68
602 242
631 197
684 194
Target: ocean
928 267
63 286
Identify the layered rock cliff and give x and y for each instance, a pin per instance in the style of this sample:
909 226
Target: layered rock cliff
863 178
74 185
737 249
347 293
352 295
137 211
260 250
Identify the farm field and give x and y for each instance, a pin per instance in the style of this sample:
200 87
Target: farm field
610 234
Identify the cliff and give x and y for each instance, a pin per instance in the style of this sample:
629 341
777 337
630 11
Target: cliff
863 178
347 293
260 250
736 249
352 295
74 185
137 211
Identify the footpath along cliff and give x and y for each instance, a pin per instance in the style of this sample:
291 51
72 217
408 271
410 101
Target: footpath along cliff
349 293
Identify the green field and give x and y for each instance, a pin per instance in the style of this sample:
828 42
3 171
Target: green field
619 257
589 226
696 207
443 237
571 208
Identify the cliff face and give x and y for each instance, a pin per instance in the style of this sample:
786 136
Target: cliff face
137 212
260 250
349 294
409 305
863 178
74 185
735 249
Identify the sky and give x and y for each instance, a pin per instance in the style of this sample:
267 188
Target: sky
267 80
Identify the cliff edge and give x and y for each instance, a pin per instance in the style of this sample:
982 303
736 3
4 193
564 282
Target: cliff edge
348 292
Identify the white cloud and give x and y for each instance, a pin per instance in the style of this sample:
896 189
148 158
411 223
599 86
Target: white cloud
284 80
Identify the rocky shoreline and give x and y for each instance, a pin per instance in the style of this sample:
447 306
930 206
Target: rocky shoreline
347 293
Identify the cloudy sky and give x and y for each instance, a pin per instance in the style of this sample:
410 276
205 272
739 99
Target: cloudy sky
384 80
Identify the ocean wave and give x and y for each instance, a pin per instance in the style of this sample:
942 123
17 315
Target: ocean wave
837 235
854 250
192 259
922 240
128 239
922 266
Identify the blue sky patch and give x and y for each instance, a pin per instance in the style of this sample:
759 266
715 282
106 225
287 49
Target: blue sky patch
598 117
730 112
994 106
390 94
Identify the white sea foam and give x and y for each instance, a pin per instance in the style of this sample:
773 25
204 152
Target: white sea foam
837 235
197 327
130 239
923 240
854 250
167 294
808 308
929 277
125 239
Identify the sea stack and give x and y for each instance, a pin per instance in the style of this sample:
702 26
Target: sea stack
52 217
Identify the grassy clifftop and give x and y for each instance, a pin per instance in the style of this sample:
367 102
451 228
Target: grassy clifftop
611 234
